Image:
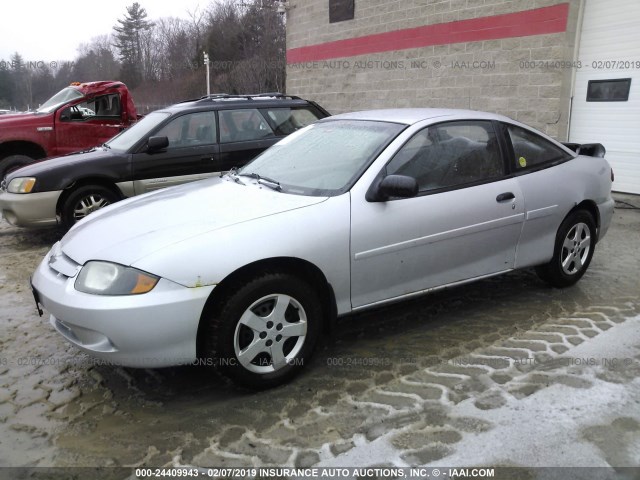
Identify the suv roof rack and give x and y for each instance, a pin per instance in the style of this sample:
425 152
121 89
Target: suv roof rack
226 96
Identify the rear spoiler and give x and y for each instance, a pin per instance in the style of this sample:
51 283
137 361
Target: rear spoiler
589 149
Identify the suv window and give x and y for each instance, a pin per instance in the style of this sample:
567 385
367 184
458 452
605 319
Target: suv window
532 150
190 130
287 120
450 154
243 125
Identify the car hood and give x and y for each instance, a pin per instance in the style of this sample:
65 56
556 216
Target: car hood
53 163
131 230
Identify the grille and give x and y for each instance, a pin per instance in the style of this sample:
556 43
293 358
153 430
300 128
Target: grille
61 264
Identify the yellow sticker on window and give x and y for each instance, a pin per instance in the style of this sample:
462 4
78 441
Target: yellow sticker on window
522 161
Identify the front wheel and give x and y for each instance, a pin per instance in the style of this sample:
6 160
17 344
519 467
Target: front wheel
575 243
85 200
13 162
264 331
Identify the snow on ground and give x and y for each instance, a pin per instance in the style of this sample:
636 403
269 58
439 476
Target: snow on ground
590 420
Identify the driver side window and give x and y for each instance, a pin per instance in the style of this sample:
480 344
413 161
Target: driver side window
101 106
190 130
450 154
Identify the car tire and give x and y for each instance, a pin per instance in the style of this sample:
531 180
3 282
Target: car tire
85 200
264 331
575 243
14 162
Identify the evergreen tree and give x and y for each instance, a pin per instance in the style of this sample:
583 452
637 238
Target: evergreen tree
6 86
129 37
98 64
42 86
21 83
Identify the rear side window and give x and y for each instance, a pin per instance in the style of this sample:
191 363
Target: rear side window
243 125
449 155
107 106
532 150
285 121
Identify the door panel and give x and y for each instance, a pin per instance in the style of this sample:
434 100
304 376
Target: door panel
548 184
464 223
404 246
73 136
238 154
152 171
192 154
88 124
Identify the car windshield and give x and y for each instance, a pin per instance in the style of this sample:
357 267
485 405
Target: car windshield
127 139
60 98
325 158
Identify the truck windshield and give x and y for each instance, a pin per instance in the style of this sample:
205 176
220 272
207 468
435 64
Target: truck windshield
63 96
127 139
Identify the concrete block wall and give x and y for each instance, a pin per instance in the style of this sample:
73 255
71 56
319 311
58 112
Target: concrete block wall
527 78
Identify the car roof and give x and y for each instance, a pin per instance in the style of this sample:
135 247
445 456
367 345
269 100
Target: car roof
409 116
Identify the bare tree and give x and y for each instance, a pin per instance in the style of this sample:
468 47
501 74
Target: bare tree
162 61
96 60
247 46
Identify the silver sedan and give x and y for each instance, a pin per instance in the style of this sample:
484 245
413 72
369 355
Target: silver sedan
358 210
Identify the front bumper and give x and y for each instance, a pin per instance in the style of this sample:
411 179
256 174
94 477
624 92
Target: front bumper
35 210
155 329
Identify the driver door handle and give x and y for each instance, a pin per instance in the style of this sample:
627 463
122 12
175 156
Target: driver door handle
503 197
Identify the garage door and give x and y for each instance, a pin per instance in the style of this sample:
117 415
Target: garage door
606 102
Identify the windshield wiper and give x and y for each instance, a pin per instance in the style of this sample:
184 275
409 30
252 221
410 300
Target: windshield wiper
233 175
269 182
106 145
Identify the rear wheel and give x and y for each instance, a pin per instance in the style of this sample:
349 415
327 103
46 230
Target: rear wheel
575 243
85 200
14 162
263 332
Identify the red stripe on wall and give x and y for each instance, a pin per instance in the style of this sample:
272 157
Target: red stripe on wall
520 24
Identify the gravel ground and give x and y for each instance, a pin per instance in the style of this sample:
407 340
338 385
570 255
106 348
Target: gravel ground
501 372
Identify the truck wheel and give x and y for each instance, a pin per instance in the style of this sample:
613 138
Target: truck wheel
85 200
264 332
13 162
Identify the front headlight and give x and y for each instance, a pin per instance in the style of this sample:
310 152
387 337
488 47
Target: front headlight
106 278
21 185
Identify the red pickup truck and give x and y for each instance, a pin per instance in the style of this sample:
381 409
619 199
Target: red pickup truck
78 117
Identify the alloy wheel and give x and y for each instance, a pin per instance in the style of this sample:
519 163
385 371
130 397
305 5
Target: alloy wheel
575 248
270 333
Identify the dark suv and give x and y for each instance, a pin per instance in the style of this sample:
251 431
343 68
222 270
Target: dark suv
188 141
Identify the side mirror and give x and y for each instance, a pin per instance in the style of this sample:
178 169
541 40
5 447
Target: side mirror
400 186
155 144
